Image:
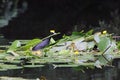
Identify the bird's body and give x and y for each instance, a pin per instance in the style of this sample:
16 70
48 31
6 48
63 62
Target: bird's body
37 49
41 45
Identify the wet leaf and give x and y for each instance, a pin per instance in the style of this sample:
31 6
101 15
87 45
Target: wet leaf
64 52
104 43
30 44
52 41
14 46
98 64
103 60
87 57
118 45
91 45
112 48
90 32
75 33
70 51
82 46
97 37
3 55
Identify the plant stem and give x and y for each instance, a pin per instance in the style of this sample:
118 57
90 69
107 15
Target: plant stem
51 35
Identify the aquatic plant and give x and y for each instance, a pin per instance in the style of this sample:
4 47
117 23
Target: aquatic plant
80 49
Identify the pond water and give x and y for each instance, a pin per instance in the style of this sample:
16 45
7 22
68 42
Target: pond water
48 72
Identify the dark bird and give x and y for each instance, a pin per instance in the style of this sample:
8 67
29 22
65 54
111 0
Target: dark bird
41 45
36 50
45 41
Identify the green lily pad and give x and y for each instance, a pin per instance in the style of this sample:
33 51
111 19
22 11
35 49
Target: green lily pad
30 44
104 43
14 46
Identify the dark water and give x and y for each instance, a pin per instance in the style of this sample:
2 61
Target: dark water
106 73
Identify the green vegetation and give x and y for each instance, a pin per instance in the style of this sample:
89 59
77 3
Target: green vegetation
81 49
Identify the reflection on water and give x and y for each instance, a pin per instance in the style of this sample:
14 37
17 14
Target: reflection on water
48 72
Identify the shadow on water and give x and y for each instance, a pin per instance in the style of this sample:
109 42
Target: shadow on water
106 73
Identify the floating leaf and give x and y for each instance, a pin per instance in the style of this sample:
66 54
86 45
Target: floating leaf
30 44
52 41
82 46
87 57
97 37
104 43
112 48
75 33
63 52
103 60
118 45
14 46
109 57
98 64
90 32
91 45
3 55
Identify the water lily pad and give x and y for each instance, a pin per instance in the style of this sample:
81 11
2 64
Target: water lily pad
104 43
14 46
30 44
